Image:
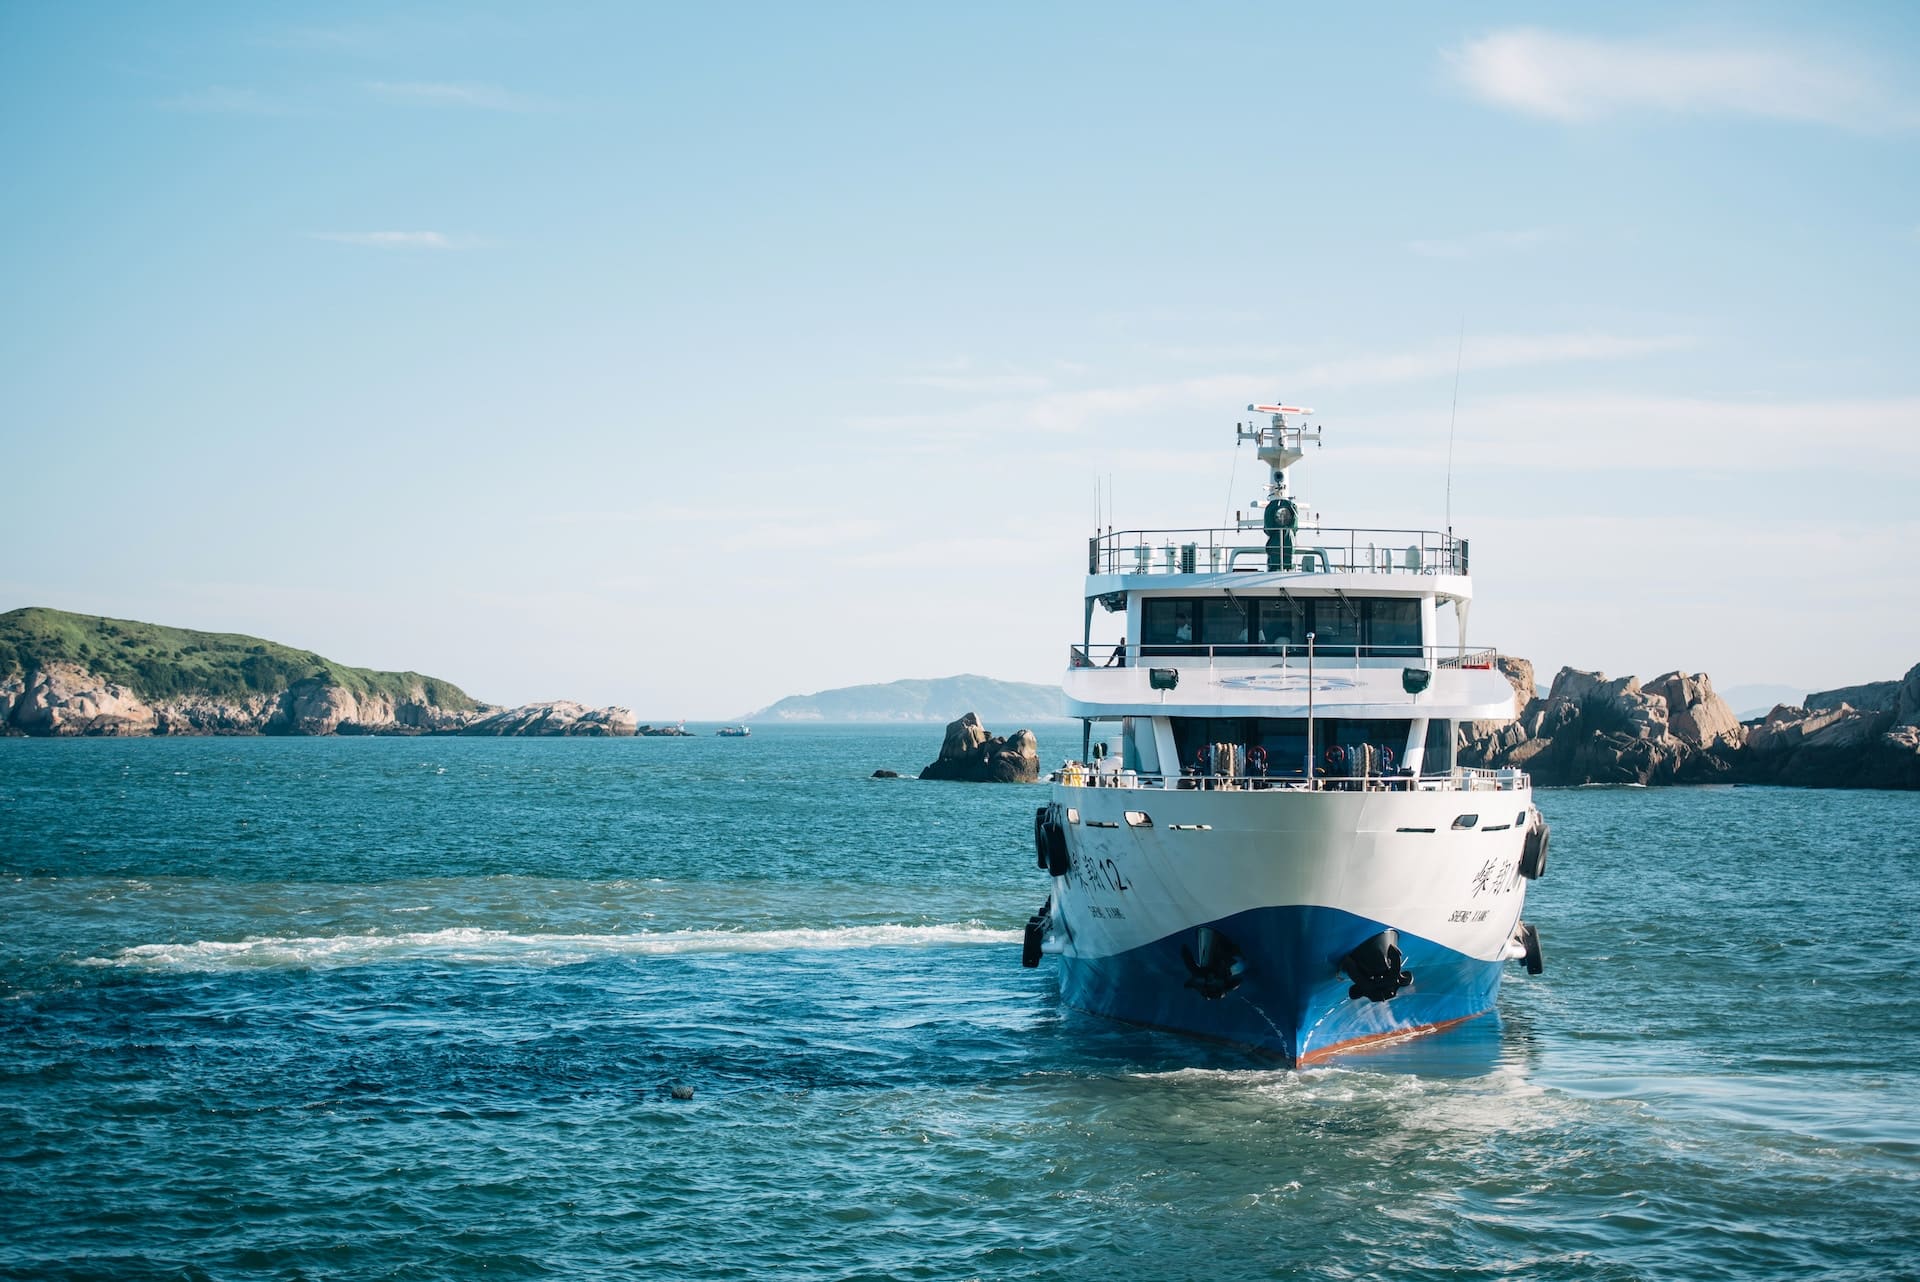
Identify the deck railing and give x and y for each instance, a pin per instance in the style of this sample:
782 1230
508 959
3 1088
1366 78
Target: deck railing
1462 779
1320 549
1080 655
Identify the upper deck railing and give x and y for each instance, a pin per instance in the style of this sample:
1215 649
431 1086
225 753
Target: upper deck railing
1075 774
1082 655
1319 549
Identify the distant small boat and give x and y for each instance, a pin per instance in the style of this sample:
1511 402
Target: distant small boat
733 732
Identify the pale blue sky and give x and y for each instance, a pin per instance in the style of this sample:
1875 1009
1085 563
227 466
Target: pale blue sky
685 358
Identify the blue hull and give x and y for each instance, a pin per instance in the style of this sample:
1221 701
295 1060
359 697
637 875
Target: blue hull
1292 999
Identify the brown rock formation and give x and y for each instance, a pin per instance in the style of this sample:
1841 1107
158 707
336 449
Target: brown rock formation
1675 729
969 754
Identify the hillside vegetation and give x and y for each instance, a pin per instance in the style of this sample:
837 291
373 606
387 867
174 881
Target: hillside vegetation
158 662
935 699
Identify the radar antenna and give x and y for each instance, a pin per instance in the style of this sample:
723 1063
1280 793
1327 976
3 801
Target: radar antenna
1280 445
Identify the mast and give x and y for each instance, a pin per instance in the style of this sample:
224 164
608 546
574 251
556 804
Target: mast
1279 445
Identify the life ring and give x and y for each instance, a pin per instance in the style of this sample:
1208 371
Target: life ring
1335 758
1257 760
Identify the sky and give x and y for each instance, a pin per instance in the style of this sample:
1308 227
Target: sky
688 357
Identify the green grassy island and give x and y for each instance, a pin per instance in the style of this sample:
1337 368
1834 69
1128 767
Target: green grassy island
67 674
158 662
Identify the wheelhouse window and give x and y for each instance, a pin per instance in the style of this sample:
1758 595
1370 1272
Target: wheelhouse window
1223 622
1167 626
1385 627
1336 626
1283 623
1393 626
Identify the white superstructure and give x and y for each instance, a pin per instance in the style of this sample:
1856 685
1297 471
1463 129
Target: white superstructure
1281 851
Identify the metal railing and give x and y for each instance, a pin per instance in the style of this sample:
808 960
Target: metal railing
1167 655
1460 779
1319 549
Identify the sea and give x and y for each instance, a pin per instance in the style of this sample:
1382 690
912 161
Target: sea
712 1008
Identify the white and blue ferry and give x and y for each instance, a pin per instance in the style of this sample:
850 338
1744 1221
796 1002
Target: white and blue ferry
1281 851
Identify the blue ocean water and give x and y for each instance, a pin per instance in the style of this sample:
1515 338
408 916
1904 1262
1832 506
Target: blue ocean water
414 1009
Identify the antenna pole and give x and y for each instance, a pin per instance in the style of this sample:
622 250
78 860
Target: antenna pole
1460 350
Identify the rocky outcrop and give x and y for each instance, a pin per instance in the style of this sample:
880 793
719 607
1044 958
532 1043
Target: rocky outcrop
1696 715
969 754
64 699
563 717
1675 729
1830 743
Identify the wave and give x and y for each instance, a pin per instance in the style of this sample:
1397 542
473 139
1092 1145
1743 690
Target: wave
473 946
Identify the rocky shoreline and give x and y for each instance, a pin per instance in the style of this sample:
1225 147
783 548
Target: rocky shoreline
66 700
1674 729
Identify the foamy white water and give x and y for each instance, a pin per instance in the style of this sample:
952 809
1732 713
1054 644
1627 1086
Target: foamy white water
470 945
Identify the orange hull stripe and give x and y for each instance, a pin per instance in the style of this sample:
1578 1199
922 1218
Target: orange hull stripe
1379 1039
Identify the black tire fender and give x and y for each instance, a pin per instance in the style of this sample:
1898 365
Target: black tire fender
1030 945
1059 862
1533 854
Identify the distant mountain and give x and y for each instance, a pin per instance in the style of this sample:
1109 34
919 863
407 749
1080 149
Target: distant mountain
998 703
1749 702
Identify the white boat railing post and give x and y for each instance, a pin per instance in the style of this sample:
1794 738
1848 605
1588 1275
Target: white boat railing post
1309 712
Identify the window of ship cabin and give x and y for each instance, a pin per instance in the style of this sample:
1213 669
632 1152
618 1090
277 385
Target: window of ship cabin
1283 622
1338 743
1166 626
1377 626
1438 758
1393 626
1336 626
1223 622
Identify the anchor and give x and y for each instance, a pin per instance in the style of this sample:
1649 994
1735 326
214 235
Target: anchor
1374 968
1214 964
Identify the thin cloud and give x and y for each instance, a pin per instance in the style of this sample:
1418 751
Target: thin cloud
346 38
1069 411
427 240
1495 351
1484 243
1073 411
428 93
1581 78
962 376
225 100
1728 435
1622 432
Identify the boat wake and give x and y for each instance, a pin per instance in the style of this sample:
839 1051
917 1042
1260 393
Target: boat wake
473 946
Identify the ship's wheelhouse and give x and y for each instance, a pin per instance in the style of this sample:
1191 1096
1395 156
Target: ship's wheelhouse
1230 625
